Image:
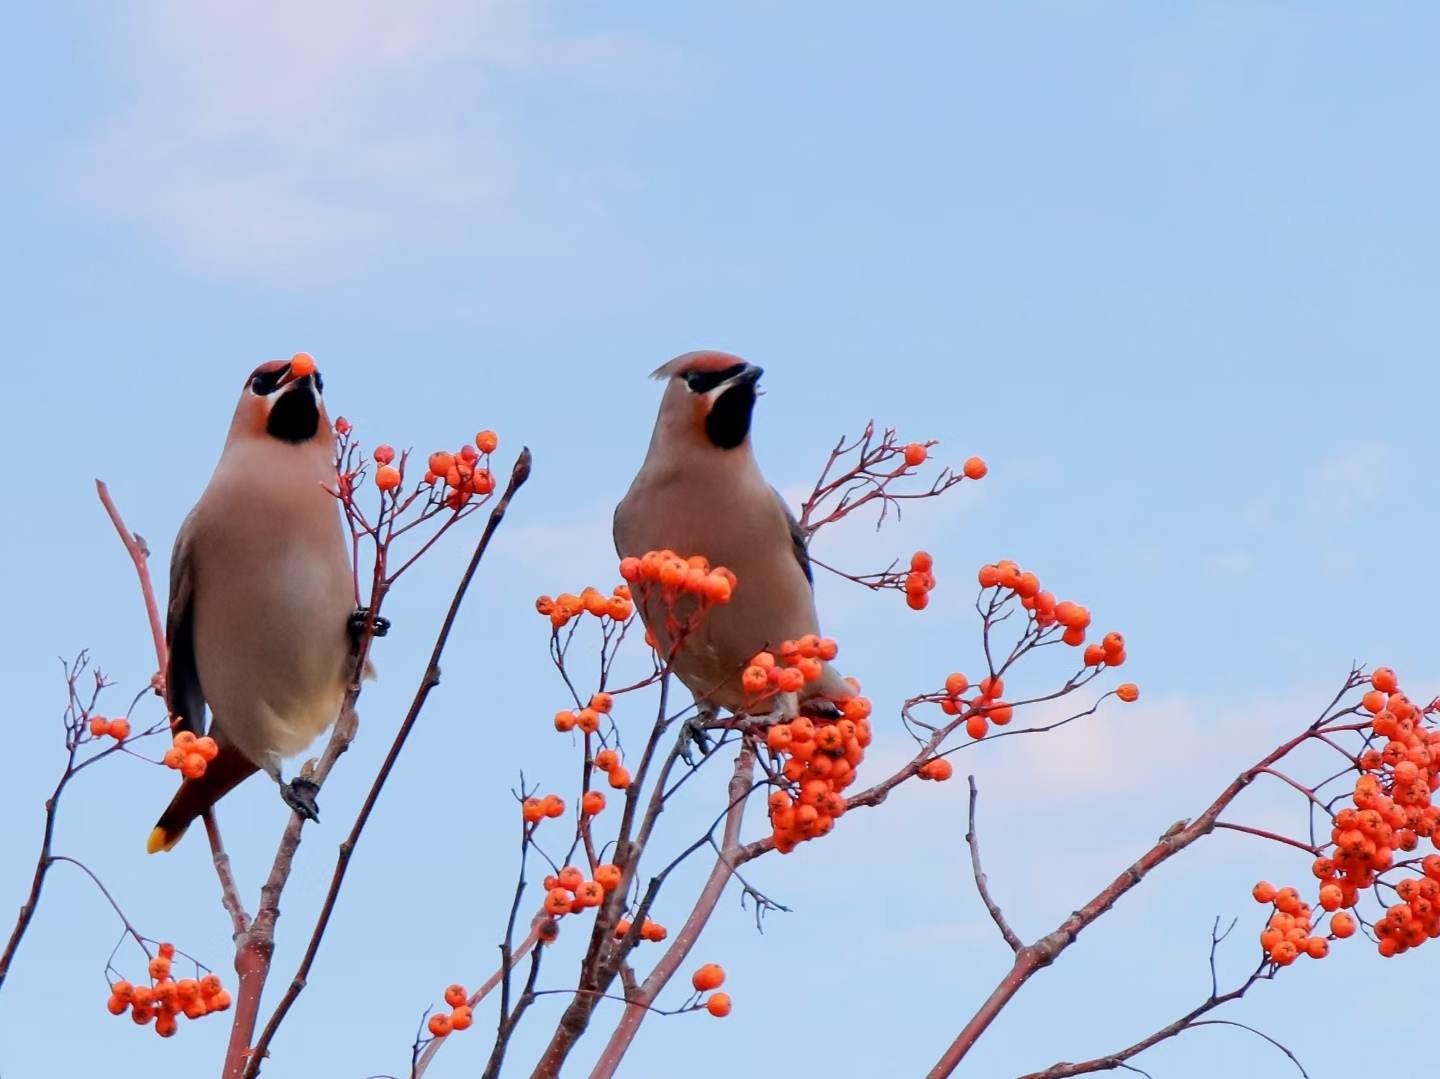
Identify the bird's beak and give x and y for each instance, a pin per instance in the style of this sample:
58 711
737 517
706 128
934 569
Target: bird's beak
747 377
290 378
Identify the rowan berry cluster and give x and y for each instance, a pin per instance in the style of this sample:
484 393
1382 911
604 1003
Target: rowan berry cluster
920 581
191 753
165 1000
1392 810
458 1018
707 979
651 931
812 761
587 718
1006 576
789 668
534 810
117 728
569 892
984 708
618 606
460 472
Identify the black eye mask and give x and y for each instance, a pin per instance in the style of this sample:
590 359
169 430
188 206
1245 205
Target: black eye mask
705 381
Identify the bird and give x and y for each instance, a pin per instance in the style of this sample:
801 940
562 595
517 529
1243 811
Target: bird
261 615
700 491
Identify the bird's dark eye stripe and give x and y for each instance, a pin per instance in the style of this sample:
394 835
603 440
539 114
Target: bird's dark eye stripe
705 381
319 383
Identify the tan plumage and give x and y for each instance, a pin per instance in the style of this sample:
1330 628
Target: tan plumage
700 491
260 595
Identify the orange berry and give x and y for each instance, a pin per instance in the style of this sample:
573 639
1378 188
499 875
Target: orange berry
486 441
1129 692
342 426
440 1024
915 454
653 931
440 463
620 779
977 726
592 803
602 702
553 805
938 769
1384 680
387 478
455 995
565 721
115 1006
588 720
608 876
956 684
207 747
917 601
607 760
165 1025
193 767
710 976
1342 925
570 878
557 901
159 968
461 1017
591 893
99 725
1264 892
1317 947
921 562
302 364
1374 701
1094 655
718 1005
532 810
975 468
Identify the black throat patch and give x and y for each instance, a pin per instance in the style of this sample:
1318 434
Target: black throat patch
729 420
295 417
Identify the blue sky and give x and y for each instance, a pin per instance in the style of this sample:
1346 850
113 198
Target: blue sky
1169 269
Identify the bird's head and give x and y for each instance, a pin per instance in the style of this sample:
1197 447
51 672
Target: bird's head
709 398
282 400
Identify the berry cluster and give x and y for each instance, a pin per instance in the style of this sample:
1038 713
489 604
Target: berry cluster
587 718
789 668
984 708
568 892
1006 576
813 761
164 1000
708 978
920 581
460 1016
651 931
1392 810
617 606
191 754
117 728
608 761
534 810
460 472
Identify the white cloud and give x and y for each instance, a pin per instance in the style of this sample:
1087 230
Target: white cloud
312 141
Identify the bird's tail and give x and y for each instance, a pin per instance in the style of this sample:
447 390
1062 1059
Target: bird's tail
195 796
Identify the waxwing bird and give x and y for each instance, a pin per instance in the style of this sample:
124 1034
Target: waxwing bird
700 491
261 597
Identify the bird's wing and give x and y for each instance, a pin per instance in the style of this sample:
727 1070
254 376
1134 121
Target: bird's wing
183 695
798 540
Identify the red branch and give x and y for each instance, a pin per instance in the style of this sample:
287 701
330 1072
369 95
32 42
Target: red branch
640 1001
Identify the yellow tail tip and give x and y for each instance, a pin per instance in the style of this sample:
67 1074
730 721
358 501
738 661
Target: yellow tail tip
161 840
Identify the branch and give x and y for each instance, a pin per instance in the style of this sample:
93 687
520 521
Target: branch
1035 957
640 1003
982 884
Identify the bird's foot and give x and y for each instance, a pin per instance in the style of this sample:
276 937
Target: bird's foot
357 625
299 794
694 733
